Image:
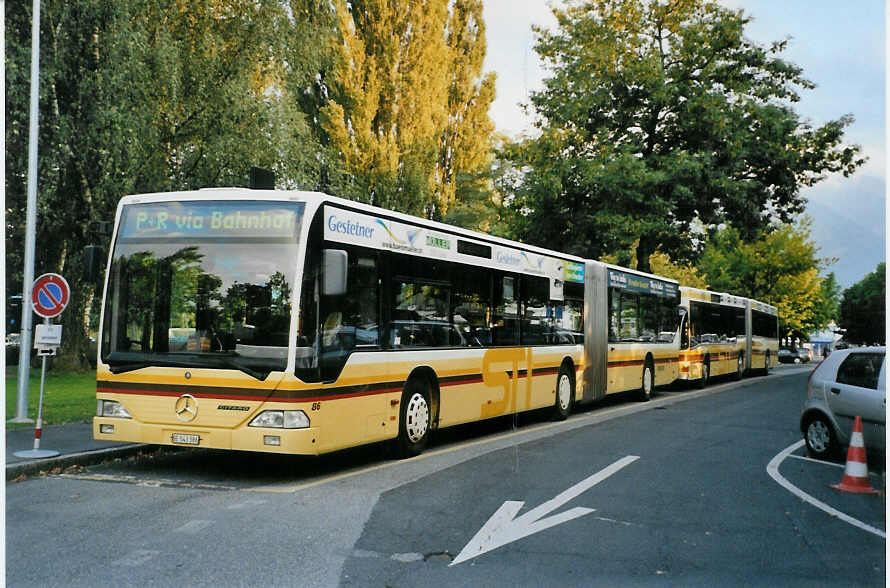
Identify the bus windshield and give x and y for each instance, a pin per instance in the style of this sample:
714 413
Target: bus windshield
202 284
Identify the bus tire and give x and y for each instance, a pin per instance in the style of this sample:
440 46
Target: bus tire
705 373
740 367
648 381
414 418
565 394
766 365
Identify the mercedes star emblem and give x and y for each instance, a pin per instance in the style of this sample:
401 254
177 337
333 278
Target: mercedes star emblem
186 408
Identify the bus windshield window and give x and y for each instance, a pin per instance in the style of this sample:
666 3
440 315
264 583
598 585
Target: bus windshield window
202 284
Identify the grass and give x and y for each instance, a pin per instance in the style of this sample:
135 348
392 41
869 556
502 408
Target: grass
68 397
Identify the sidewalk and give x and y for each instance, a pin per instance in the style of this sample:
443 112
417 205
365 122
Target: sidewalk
73 441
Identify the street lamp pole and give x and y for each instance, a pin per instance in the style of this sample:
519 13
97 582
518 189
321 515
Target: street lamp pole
21 406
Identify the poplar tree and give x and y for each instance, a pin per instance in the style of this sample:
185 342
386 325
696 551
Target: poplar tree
409 111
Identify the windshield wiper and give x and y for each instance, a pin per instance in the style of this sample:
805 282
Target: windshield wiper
120 365
236 362
128 367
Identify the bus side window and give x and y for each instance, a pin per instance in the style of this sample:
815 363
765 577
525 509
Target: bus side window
471 306
350 321
505 319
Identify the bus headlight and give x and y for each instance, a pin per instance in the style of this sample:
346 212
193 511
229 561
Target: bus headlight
111 408
281 419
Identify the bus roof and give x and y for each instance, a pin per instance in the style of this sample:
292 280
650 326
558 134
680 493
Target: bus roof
692 293
318 199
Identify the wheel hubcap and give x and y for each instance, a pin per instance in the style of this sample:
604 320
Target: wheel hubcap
647 381
417 418
818 436
564 392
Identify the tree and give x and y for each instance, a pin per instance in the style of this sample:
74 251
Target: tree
408 113
863 310
662 265
661 121
144 96
781 268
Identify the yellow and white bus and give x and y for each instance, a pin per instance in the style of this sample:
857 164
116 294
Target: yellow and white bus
724 334
297 322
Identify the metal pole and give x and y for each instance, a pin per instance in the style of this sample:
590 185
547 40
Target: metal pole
38 428
38 453
21 405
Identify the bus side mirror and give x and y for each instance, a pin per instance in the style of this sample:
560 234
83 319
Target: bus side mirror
92 263
334 272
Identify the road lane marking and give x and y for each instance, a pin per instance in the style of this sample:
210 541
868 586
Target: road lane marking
819 461
193 527
505 527
136 558
773 470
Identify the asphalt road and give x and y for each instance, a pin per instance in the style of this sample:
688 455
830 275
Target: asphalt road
696 507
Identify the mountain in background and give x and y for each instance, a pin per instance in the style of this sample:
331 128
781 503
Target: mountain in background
849 224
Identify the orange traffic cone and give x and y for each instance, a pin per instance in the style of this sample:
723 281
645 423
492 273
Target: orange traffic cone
856 471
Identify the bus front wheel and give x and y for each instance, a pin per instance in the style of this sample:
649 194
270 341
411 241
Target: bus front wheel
414 421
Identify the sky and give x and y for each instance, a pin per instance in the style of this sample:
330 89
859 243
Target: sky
842 49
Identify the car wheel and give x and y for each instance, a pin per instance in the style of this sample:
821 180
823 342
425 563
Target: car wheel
796 360
414 424
820 438
648 383
565 393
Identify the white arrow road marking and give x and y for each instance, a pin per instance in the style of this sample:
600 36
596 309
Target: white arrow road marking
502 528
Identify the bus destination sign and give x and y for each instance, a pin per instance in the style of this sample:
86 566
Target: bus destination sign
642 284
264 219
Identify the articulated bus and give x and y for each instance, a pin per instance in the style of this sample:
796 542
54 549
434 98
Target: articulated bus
301 323
724 334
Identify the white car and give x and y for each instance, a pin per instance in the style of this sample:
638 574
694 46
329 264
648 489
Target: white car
847 384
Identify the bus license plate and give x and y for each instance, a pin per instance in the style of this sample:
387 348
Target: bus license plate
186 439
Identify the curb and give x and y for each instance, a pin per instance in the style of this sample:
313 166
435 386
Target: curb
83 458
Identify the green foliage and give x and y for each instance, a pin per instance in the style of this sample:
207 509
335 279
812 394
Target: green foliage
780 268
661 119
863 309
156 95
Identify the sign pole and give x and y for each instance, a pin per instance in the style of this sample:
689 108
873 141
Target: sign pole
49 297
21 405
38 429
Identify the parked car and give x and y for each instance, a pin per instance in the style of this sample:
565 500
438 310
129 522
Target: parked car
799 355
847 384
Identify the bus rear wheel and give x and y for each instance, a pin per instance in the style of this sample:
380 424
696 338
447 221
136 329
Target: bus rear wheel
705 374
648 383
740 367
414 421
565 393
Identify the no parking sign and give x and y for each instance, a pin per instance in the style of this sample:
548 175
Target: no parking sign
49 295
